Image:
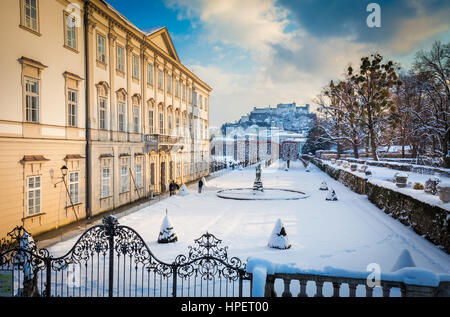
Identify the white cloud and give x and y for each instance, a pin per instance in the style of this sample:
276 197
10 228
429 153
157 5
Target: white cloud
290 65
411 32
252 24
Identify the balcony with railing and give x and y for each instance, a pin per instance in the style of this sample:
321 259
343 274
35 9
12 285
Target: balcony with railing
165 142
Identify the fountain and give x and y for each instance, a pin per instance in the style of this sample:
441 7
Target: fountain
258 192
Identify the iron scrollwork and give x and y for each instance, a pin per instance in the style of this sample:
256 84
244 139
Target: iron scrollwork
209 260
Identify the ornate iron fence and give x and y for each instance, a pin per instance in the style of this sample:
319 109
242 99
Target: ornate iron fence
113 260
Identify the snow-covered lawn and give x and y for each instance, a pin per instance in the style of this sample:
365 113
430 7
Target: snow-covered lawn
349 233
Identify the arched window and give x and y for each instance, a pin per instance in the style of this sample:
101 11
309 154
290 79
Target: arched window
177 122
136 118
161 123
122 110
184 122
136 113
169 120
151 116
102 95
161 118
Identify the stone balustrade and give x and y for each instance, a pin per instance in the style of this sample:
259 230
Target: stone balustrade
407 290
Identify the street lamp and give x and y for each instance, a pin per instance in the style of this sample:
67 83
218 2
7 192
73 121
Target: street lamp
64 170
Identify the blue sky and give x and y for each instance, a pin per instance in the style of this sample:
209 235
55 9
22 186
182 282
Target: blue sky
264 52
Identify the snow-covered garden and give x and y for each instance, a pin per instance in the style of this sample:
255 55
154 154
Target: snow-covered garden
385 177
349 233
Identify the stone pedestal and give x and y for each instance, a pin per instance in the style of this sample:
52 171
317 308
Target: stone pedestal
258 186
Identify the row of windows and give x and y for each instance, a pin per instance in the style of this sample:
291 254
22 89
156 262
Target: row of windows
32 109
122 120
32 103
34 183
124 175
30 21
180 89
124 179
34 192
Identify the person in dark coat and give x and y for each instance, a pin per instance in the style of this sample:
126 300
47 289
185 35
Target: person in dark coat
200 185
173 187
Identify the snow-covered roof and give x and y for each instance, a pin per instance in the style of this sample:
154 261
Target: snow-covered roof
146 32
152 30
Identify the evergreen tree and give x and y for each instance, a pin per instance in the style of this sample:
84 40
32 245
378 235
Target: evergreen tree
373 86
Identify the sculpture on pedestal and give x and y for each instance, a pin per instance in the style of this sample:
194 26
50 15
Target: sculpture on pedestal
257 185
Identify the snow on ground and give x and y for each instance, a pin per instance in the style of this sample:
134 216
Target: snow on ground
349 233
383 177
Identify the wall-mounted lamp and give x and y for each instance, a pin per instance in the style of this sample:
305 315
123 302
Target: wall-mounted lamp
64 170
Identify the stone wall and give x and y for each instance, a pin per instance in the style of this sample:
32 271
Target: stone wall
426 220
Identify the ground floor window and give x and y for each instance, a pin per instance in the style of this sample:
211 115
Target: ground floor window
123 178
73 187
105 182
139 176
34 195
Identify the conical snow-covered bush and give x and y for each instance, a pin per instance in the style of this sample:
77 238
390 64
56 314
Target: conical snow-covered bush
331 196
324 186
404 260
166 233
204 181
279 238
183 190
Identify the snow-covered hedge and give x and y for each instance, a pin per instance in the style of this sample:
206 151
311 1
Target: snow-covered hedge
406 167
422 215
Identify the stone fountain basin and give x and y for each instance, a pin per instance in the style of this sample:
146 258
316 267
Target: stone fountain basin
268 194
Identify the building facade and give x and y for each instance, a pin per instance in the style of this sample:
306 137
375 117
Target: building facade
245 146
83 88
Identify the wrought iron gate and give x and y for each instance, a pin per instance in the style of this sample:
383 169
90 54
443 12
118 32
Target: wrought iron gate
113 260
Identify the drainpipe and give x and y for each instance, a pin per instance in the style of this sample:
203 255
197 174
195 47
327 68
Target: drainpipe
87 114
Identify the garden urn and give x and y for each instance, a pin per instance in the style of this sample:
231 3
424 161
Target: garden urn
444 192
401 179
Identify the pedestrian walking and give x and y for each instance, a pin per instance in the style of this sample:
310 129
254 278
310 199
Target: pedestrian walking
200 185
173 187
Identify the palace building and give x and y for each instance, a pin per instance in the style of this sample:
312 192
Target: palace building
94 113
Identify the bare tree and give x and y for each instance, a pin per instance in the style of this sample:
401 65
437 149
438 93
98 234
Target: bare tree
433 69
338 104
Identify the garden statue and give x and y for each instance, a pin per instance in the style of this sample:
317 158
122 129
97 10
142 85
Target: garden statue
257 185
